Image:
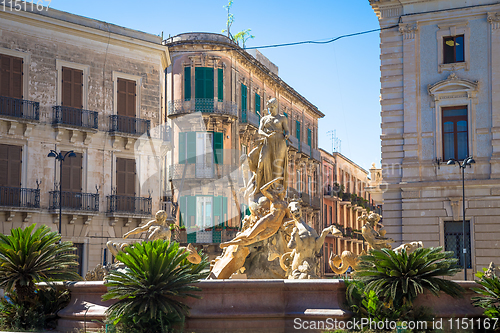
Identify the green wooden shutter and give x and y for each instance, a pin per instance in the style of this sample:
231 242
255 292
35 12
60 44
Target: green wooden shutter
187 83
191 147
191 210
224 210
219 147
286 114
297 130
244 102
204 82
217 205
220 84
182 213
257 105
309 137
182 148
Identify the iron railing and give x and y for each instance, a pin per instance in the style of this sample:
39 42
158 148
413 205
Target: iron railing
75 117
305 148
251 118
19 108
315 154
293 142
129 125
200 171
19 197
130 205
75 201
315 202
205 105
162 133
306 198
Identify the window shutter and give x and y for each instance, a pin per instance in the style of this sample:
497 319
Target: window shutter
209 83
308 137
17 78
77 89
131 98
257 104
191 210
224 210
72 88
130 178
182 148
126 98
76 172
219 147
199 81
4 165
217 206
187 83
120 176
15 157
66 86
125 177
121 97
182 211
220 84
191 147
243 98
297 131
5 75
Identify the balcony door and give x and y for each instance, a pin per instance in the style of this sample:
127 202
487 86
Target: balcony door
71 182
72 96
11 85
204 89
126 105
204 155
125 184
10 175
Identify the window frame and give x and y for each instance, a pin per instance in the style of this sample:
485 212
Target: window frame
455 132
471 255
26 67
448 30
86 71
138 85
445 39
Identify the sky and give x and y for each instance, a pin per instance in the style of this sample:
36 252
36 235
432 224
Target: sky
341 78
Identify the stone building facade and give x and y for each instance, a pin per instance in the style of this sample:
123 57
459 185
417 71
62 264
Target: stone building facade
70 83
216 94
440 67
346 196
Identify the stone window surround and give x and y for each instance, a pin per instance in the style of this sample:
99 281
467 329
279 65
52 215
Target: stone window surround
115 156
86 71
442 220
26 66
138 83
24 158
453 29
448 98
84 152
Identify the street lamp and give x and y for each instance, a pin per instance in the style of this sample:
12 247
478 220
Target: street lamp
463 164
60 157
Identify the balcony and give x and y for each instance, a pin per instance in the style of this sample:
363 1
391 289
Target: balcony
128 125
316 155
19 108
212 235
305 149
346 198
250 118
315 202
306 198
17 197
125 205
201 171
64 115
204 105
75 201
293 142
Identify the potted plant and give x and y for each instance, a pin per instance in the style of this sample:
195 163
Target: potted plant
218 227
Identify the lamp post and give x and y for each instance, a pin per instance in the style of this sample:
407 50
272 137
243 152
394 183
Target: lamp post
60 157
463 164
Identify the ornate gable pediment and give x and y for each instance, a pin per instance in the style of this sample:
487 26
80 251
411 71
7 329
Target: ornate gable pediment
452 86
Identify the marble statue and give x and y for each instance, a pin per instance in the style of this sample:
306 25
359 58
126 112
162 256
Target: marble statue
340 264
409 247
376 239
306 244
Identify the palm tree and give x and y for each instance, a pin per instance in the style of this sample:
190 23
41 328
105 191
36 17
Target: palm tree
489 298
400 277
148 290
27 258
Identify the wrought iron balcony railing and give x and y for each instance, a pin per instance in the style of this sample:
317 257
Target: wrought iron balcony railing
251 118
129 125
19 108
129 205
19 197
75 201
305 148
205 105
315 154
306 198
75 117
293 142
315 202
203 171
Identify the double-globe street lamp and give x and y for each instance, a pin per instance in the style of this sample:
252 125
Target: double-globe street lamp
60 157
463 164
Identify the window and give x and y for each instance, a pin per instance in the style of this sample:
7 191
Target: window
453 240
10 166
11 76
194 146
220 84
72 91
71 181
243 102
203 211
126 97
187 83
297 129
453 49
79 253
309 137
299 181
455 133
204 82
257 105
125 177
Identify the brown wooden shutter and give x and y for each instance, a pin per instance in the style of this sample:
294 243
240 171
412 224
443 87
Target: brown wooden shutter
10 165
126 98
11 76
72 88
125 177
72 173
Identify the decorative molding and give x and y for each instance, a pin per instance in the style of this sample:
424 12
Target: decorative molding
128 222
73 135
12 125
453 84
10 216
28 128
73 219
408 30
453 29
494 20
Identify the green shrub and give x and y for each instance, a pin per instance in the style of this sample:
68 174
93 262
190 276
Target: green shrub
157 274
490 294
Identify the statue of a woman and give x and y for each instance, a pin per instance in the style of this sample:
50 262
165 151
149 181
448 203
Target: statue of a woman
273 157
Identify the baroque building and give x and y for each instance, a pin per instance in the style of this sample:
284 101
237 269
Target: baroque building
440 68
347 194
69 83
216 94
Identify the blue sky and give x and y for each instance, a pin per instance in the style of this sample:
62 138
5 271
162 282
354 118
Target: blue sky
342 78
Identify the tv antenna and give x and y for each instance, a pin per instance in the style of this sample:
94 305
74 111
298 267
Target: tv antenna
336 142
